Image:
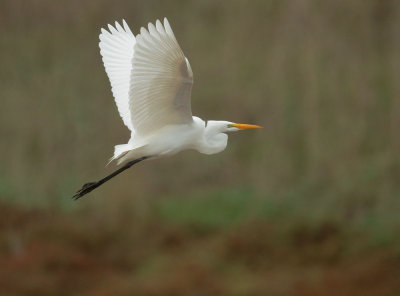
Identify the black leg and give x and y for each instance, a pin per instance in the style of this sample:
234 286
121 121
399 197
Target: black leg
88 187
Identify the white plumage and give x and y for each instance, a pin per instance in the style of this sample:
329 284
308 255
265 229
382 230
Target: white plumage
161 81
151 81
116 49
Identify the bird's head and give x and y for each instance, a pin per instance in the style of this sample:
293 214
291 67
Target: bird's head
227 126
215 134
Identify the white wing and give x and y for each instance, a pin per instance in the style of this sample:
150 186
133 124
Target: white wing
161 81
117 50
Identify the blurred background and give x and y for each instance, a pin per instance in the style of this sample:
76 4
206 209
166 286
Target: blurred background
307 206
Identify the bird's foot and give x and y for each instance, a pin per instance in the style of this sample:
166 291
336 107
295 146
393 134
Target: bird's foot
86 188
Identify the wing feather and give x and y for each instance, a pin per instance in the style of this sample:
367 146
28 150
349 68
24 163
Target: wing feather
161 81
117 50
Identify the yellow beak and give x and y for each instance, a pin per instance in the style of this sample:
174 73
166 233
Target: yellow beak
245 126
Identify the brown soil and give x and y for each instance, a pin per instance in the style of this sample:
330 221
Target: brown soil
51 253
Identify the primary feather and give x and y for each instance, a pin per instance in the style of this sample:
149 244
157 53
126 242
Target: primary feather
117 48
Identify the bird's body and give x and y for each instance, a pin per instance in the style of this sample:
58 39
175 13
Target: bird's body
151 81
172 139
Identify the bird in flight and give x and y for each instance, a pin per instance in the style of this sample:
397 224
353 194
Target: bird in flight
151 81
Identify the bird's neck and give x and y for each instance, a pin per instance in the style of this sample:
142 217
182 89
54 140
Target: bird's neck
213 140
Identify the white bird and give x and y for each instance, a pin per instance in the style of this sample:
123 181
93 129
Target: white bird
151 81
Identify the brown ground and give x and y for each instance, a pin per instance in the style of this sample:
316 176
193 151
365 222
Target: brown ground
51 253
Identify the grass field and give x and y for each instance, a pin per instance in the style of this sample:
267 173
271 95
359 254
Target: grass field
307 206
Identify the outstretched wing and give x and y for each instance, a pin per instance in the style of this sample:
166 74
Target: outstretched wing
117 48
161 81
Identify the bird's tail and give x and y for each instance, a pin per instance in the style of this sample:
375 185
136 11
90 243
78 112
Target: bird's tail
120 151
128 151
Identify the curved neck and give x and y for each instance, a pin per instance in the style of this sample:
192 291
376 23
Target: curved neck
213 140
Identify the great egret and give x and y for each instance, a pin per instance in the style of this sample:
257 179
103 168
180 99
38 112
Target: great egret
151 81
